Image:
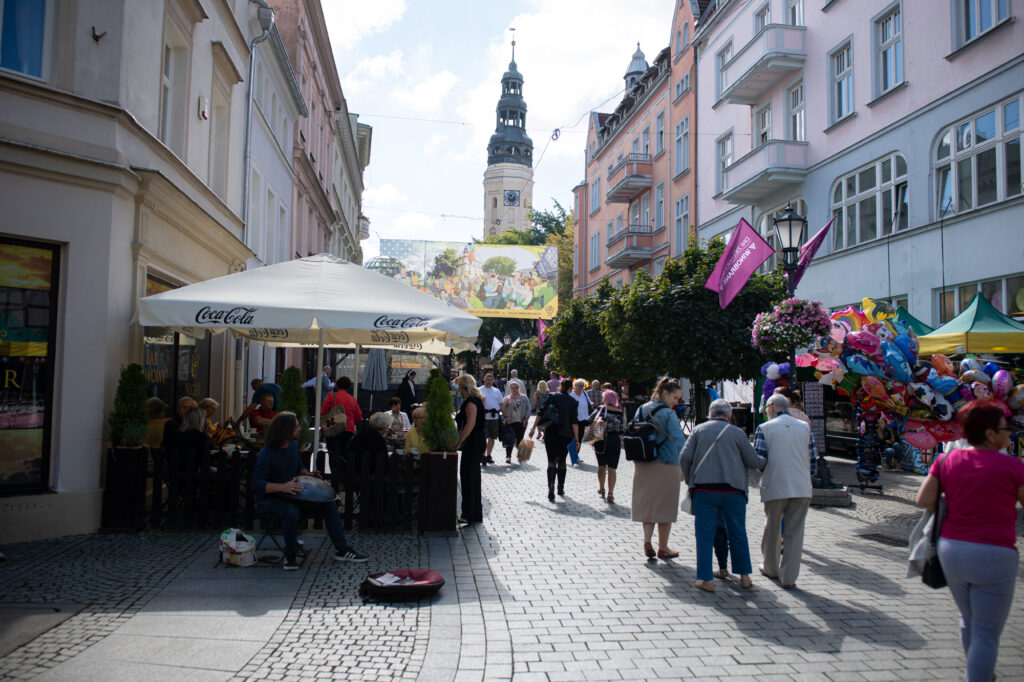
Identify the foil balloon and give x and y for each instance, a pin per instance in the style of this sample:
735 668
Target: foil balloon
897 365
942 409
806 360
838 329
906 346
1018 421
1001 404
943 365
922 440
881 330
1001 383
922 370
834 376
874 387
828 364
968 364
1015 399
944 385
866 342
981 391
975 375
853 318
945 431
860 364
990 368
848 384
923 393
876 310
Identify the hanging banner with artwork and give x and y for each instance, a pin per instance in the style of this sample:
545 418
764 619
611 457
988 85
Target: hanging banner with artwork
483 279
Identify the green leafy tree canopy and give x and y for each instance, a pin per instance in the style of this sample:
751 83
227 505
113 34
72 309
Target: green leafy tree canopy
293 399
438 428
500 265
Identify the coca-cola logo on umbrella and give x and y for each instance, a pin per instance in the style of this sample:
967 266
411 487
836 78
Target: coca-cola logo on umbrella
385 322
231 316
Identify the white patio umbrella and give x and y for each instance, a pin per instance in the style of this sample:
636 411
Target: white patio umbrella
315 301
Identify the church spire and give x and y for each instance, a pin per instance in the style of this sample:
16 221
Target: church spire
510 143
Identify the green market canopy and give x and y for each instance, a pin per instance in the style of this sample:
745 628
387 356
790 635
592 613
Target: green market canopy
980 328
918 327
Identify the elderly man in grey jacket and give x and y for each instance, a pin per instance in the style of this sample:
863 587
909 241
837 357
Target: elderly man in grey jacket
786 443
715 461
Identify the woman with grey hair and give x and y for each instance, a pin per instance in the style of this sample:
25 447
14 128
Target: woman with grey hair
715 460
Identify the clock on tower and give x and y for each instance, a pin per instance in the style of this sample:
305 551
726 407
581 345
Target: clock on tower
511 197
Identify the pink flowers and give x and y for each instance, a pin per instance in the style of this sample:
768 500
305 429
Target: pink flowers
794 323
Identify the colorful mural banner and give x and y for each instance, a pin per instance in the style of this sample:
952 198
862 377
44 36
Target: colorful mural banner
743 255
483 279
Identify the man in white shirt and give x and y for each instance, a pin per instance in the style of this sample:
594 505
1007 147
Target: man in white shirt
514 379
492 413
584 407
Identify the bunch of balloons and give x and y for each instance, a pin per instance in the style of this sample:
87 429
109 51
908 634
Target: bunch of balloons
871 356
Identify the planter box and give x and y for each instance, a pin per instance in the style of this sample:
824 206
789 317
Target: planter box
438 488
124 495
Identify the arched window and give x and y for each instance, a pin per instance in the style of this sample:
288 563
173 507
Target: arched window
977 161
766 227
870 202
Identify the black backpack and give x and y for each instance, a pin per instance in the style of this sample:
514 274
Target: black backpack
548 413
640 439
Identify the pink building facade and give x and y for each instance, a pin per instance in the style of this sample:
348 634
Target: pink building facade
902 119
633 208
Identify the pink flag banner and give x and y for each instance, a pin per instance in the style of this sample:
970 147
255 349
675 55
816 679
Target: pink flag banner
743 255
542 332
808 250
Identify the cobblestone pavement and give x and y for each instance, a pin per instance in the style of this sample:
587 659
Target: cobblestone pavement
539 591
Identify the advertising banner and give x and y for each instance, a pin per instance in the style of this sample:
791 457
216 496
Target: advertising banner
482 279
742 257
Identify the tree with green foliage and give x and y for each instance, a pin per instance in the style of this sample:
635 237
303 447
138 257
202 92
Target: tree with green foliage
500 265
438 430
293 399
526 357
578 346
674 324
445 263
128 419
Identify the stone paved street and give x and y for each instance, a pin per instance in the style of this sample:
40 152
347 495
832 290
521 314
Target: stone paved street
539 591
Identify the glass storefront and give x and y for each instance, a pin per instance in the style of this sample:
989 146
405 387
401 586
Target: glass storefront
176 365
28 314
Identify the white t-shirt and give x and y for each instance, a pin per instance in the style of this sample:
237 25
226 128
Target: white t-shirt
492 401
584 404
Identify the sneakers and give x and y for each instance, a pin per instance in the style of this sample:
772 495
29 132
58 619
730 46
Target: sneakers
351 555
291 565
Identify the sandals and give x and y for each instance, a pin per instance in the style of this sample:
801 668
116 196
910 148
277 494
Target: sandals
649 550
706 585
610 499
667 554
721 574
600 491
746 581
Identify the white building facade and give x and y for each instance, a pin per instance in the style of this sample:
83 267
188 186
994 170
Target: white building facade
900 118
122 174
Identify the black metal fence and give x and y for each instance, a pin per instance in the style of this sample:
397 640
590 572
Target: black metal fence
190 490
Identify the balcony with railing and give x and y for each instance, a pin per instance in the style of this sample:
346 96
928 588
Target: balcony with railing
364 227
629 178
776 52
631 245
767 169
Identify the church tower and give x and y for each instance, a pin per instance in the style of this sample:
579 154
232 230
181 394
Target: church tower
508 180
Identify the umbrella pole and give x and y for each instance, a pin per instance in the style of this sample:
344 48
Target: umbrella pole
319 398
355 386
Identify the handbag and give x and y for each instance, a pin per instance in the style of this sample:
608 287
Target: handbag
595 429
334 422
932 574
686 498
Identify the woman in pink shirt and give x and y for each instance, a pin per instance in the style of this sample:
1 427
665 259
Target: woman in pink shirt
976 545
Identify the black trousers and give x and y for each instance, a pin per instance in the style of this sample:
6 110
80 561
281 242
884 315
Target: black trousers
557 447
337 450
519 429
469 477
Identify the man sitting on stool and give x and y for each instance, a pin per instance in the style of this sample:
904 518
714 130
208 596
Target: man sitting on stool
274 480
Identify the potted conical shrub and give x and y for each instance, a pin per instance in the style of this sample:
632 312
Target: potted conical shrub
293 399
439 465
124 492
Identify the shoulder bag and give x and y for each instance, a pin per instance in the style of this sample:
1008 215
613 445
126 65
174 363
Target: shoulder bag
333 423
932 574
596 428
686 497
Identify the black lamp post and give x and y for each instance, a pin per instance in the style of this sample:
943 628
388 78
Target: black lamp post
789 228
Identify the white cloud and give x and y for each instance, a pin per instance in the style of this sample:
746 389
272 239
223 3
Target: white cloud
427 95
385 196
348 21
413 226
433 144
370 70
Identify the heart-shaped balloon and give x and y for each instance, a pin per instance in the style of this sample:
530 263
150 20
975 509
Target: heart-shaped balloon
922 440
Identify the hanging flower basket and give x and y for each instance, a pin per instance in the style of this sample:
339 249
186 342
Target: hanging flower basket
794 323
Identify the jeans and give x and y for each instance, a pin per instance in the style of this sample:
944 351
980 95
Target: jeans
981 578
291 512
708 508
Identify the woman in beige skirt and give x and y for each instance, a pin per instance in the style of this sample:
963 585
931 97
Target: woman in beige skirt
656 484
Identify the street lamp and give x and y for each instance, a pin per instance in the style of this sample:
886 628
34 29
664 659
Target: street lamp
789 228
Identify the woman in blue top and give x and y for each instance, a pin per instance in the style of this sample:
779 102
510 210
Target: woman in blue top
274 483
656 484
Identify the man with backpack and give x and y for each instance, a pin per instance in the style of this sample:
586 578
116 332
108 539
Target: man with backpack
558 418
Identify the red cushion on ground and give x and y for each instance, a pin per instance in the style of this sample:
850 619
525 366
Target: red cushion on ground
422 576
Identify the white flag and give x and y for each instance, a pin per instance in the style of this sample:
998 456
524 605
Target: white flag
495 347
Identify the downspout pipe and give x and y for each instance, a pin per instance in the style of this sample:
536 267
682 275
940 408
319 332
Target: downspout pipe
266 18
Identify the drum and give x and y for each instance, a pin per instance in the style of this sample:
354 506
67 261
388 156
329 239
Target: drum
314 490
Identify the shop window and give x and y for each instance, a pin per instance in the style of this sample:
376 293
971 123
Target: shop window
978 160
28 335
1006 294
871 202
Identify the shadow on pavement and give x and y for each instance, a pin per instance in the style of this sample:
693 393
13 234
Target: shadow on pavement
850 574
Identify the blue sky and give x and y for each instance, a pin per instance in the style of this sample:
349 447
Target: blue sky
426 75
